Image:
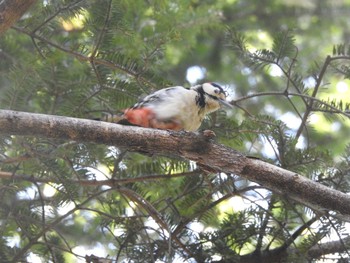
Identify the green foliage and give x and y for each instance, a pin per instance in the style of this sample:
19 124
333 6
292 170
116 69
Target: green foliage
86 58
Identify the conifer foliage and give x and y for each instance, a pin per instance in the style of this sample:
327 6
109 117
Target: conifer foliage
69 201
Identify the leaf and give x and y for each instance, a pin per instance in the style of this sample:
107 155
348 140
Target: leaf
284 46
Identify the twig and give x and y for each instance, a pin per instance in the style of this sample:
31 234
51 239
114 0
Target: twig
82 57
277 93
109 182
314 93
48 227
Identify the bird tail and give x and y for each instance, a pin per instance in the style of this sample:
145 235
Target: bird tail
115 118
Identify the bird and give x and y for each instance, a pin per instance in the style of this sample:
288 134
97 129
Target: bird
176 108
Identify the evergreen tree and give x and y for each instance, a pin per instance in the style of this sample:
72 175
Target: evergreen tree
95 198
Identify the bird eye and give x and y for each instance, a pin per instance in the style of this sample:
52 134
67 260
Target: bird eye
217 91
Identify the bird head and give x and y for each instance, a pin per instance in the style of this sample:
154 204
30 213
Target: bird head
216 92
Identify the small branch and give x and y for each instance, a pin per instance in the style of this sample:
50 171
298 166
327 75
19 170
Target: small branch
284 94
94 183
82 57
48 227
187 220
265 218
192 146
53 15
143 203
314 93
47 20
298 232
337 231
102 31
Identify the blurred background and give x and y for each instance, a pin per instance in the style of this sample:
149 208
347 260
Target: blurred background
285 66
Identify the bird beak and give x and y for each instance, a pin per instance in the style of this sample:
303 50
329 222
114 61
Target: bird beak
225 103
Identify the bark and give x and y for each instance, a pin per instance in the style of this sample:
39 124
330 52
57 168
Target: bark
192 146
331 247
11 11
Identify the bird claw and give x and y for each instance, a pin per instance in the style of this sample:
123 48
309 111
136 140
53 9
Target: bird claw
207 134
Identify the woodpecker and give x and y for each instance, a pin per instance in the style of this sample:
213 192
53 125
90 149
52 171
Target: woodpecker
176 108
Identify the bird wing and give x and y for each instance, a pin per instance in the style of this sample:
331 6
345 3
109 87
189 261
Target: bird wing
172 102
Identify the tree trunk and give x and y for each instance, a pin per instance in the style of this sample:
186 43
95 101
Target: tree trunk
11 11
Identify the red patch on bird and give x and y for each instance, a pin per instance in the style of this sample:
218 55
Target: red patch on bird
145 117
140 116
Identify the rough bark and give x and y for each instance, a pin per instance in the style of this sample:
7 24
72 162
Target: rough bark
11 11
192 146
331 247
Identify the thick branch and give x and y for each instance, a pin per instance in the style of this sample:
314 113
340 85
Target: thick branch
331 247
185 144
11 11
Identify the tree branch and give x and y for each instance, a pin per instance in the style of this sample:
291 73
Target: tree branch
331 247
93 182
11 11
314 93
90 59
192 146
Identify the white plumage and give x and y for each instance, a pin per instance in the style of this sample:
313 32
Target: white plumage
177 108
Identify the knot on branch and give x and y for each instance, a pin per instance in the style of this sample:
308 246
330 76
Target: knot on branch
198 142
